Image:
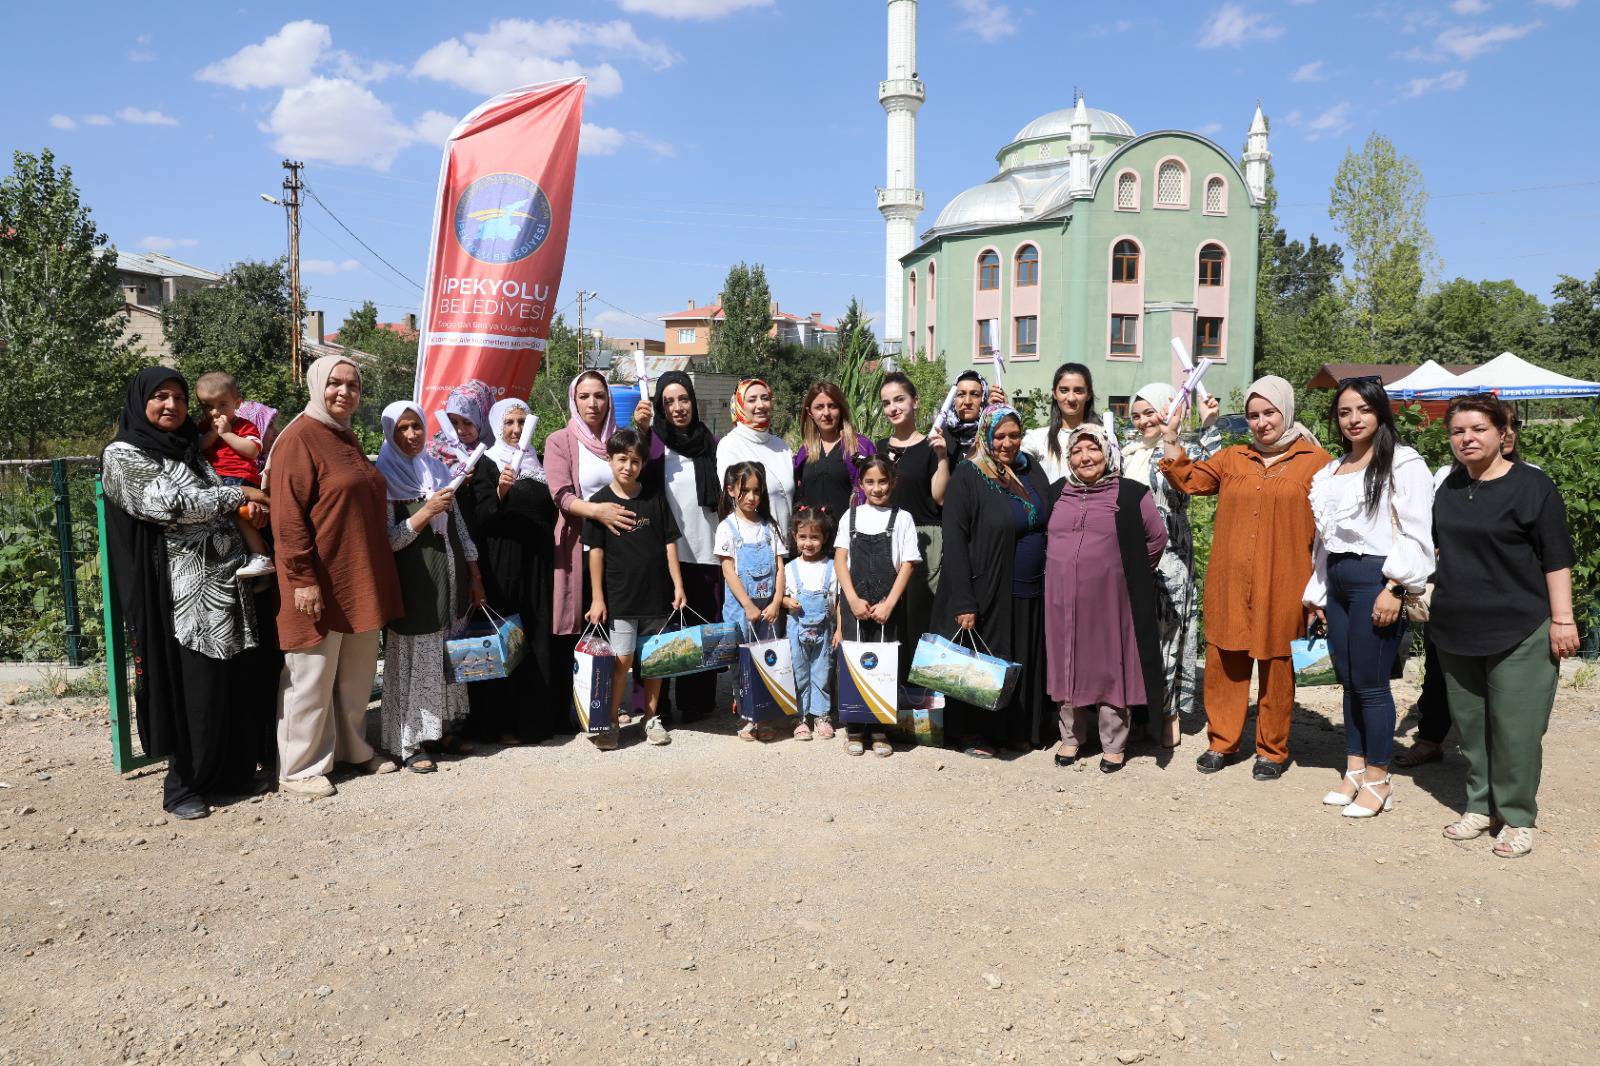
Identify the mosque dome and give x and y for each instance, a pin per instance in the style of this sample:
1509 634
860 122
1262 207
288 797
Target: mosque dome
1059 124
994 203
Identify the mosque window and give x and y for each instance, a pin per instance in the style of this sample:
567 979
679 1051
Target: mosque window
913 288
1027 335
1208 338
988 337
1212 260
1169 184
1125 262
1124 334
1027 266
1216 196
989 270
932 294
1127 191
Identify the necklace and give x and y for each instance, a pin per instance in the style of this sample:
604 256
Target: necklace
1473 483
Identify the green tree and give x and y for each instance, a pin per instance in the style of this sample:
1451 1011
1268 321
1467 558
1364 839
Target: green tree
61 320
548 397
857 372
1575 326
1379 204
743 336
1474 321
391 371
240 327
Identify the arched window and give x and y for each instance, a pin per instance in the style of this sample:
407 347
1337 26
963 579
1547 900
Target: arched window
989 270
1127 191
1125 262
913 288
1212 261
1216 196
1170 179
1027 266
932 292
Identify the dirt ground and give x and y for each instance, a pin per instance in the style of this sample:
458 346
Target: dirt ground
717 902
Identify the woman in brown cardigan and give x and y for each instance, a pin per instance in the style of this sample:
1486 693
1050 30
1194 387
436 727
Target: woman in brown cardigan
337 580
1260 559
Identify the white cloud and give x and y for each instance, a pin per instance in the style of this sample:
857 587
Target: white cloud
1469 7
988 20
690 9
63 122
146 118
1449 81
516 52
1309 72
166 244
1558 3
614 323
334 120
1334 120
284 59
1467 44
97 120
434 127
140 55
599 140
329 266
1231 26
1210 129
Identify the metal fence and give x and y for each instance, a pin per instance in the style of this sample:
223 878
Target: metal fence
50 587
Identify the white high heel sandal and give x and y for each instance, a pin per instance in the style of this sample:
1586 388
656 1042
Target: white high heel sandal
1353 811
1336 798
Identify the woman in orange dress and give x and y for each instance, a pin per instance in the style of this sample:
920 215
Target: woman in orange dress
1260 558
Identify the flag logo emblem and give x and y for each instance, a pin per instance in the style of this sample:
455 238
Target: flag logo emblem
502 218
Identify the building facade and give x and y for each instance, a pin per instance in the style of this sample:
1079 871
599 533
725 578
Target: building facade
688 332
148 282
1097 245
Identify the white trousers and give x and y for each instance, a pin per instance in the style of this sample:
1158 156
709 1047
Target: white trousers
322 704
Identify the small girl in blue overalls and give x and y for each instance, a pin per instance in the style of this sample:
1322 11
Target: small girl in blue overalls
812 595
749 545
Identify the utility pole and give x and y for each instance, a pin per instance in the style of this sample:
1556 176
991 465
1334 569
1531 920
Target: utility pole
291 201
582 296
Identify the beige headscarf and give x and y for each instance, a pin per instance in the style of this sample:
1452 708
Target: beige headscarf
317 375
1280 394
1108 448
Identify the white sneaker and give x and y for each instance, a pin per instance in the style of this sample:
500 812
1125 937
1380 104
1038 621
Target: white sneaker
257 566
318 787
655 732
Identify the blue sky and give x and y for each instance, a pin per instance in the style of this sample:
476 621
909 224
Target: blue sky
749 129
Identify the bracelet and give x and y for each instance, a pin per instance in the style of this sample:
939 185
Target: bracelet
1555 623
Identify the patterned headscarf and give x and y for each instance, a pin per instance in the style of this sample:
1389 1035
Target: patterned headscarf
984 458
470 401
741 412
1107 446
259 415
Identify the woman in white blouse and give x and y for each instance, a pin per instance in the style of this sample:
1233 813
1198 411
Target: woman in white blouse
751 441
1374 513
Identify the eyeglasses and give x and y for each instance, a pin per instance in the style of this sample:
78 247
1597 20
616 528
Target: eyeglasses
1343 382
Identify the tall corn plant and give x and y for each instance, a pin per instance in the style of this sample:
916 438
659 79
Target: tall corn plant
860 376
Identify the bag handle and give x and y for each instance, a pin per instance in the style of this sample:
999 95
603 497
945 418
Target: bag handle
605 635
755 635
974 638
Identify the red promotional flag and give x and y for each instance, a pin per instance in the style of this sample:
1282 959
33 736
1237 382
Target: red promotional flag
499 241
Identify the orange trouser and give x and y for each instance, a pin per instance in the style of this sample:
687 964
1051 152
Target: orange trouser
1227 692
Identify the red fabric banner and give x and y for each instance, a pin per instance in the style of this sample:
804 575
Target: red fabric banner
499 242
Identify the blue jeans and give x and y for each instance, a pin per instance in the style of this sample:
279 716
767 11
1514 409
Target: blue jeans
1362 654
813 666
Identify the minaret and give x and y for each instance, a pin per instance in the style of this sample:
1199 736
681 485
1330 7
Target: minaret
1079 148
1256 156
900 200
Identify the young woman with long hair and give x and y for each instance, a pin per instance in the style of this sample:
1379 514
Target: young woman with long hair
1071 405
827 467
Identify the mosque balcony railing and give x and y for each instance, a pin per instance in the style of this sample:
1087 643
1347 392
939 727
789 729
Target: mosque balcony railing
910 199
906 89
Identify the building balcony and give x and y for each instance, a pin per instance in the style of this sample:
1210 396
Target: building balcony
903 199
904 92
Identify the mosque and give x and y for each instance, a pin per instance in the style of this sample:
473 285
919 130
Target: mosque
1092 243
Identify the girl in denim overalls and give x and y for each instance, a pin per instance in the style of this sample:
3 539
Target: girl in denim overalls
812 595
750 547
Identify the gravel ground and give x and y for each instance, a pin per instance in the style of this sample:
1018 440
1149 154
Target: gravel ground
718 902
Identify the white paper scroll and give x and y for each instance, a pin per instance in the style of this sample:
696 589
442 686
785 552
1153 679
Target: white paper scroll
942 419
472 461
642 374
1188 364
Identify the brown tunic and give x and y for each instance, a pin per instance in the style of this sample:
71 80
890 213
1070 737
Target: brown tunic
1261 544
330 529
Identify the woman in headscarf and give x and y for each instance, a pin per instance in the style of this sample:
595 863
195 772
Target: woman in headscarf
1260 560
1071 405
174 550
683 464
960 430
1177 605
996 511
750 442
513 519
438 568
577 467
337 580
1104 657
463 425
827 466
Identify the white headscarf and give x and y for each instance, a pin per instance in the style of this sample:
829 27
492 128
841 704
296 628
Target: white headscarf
505 454
411 477
1140 454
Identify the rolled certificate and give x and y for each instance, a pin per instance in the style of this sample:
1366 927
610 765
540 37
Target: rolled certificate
942 419
472 461
642 374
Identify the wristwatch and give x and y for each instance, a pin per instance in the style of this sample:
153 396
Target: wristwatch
1399 591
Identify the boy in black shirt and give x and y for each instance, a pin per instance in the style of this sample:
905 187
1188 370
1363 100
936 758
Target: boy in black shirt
627 578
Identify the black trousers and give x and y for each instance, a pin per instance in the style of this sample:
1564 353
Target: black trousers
217 742
1433 705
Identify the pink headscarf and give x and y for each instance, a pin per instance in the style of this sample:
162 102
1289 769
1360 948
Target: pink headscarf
596 445
259 415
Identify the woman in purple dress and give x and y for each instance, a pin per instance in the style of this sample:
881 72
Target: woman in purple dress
1104 650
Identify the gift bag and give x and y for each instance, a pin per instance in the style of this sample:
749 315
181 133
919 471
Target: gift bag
1313 664
592 666
766 680
920 725
868 681
690 649
963 672
489 647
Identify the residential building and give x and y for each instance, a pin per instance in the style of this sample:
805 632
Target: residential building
405 329
688 332
149 281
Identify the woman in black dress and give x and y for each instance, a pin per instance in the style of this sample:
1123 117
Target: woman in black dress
512 518
996 512
921 475
827 466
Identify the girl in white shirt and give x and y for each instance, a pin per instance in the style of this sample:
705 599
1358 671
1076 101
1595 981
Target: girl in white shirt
1374 513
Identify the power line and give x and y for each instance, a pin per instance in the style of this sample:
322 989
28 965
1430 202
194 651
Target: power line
359 241
630 314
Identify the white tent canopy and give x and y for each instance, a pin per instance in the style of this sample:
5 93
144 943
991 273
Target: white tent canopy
1429 375
1510 378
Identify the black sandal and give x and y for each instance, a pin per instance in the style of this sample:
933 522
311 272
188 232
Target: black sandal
421 762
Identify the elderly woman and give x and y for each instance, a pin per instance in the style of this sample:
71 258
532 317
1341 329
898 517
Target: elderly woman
1260 560
1106 537
996 511
438 568
337 579
463 425
1177 605
512 517
1071 405
960 429
827 467
750 442
175 551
